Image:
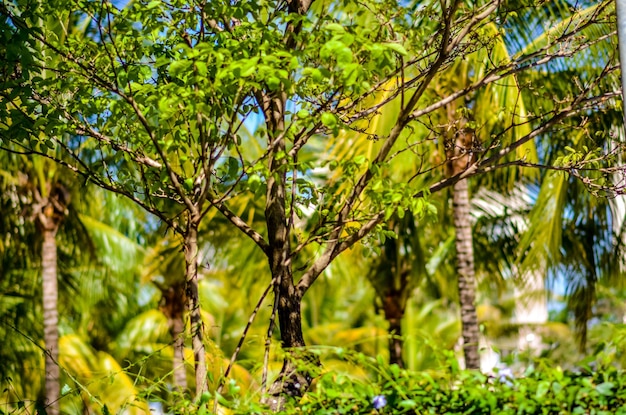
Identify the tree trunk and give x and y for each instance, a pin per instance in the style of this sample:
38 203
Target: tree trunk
394 312
193 306
459 154
466 273
51 316
49 213
294 378
177 331
173 306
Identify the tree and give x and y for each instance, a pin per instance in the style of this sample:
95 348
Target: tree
163 268
40 195
151 105
80 247
575 228
456 134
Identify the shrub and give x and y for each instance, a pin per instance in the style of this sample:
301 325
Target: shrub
593 388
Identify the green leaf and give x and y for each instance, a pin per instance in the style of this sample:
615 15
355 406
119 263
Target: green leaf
254 181
542 388
329 119
605 388
400 212
360 159
188 183
408 403
389 212
335 27
337 50
205 397
273 83
178 67
202 68
396 47
233 167
249 67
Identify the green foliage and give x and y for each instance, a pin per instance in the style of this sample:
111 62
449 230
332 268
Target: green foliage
593 388
154 100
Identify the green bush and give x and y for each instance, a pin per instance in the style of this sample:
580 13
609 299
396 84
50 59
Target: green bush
594 388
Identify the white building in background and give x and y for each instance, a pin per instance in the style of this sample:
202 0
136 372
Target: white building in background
531 312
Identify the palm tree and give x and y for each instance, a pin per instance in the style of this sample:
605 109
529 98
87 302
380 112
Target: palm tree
46 199
466 130
75 247
469 127
51 206
48 189
460 157
574 230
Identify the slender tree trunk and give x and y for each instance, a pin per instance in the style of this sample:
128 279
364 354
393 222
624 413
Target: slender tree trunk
289 315
466 273
193 306
459 154
49 213
173 306
292 380
180 373
394 313
51 316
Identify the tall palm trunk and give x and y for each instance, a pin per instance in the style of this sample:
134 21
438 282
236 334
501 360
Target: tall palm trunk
49 213
466 273
459 155
51 317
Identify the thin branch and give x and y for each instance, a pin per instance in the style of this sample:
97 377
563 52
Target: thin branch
242 226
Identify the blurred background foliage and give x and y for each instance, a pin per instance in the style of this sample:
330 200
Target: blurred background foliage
118 268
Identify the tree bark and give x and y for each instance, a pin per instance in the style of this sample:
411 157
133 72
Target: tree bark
51 317
466 273
180 373
173 306
193 306
294 378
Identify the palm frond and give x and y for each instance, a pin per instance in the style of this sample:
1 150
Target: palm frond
541 243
